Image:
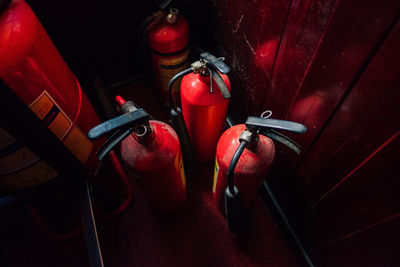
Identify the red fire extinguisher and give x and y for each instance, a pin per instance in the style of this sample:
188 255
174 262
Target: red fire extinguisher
244 155
168 40
151 151
32 67
204 108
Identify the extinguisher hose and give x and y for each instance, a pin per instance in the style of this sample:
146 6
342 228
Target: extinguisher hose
232 165
171 84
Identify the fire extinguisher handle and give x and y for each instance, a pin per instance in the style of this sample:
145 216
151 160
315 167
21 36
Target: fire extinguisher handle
123 121
221 84
277 136
111 142
217 66
215 62
261 123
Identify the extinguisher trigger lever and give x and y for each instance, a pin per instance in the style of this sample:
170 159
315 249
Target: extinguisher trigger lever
121 127
261 123
268 128
126 120
221 84
277 136
215 62
215 66
111 142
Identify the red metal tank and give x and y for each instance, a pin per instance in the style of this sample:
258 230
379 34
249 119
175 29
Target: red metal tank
157 161
204 113
31 65
250 171
168 41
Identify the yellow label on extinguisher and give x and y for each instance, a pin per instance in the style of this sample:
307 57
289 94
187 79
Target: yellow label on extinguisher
216 170
46 108
171 66
179 165
20 167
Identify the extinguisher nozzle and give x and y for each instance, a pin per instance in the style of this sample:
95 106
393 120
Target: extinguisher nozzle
233 210
120 100
179 126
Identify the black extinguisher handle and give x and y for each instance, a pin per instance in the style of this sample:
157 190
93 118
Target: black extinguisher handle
268 128
233 206
121 127
261 123
217 66
215 62
123 121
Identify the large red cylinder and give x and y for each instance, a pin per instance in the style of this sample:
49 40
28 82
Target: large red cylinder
31 65
204 113
157 162
168 41
250 171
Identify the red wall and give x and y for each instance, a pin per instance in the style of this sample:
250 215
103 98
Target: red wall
334 66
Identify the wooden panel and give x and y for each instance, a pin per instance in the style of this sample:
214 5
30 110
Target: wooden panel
368 117
304 31
248 34
370 195
375 246
352 36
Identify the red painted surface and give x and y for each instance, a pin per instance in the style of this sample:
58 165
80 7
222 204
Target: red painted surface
167 37
204 113
157 161
250 171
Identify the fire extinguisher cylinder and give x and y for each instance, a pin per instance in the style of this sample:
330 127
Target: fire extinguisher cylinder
145 144
167 34
253 140
202 108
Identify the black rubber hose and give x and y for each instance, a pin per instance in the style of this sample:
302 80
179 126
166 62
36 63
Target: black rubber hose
171 84
232 165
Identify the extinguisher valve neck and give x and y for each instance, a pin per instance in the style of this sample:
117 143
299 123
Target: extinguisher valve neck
173 15
199 67
128 106
250 137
